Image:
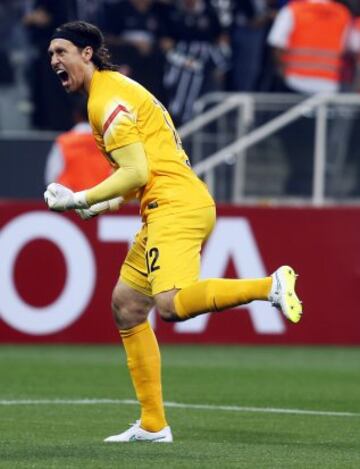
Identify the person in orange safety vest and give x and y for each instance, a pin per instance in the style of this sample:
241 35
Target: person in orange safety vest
74 159
309 39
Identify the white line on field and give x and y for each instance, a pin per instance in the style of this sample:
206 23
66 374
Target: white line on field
178 405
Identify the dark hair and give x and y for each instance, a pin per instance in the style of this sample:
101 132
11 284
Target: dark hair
83 34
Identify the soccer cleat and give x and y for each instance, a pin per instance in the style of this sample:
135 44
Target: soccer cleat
136 433
283 294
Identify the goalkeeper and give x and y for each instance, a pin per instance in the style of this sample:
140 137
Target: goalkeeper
136 134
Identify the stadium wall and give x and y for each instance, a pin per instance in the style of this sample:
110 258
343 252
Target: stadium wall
57 274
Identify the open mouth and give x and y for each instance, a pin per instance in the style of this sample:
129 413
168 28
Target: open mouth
63 76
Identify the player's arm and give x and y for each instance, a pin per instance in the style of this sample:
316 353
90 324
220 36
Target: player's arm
111 205
131 175
278 38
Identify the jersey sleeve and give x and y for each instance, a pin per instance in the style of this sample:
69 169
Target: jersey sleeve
113 124
118 126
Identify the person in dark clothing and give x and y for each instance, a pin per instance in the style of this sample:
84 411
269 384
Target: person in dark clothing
197 52
132 32
50 107
251 20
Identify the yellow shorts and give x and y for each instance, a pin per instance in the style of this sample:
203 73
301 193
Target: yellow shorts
166 252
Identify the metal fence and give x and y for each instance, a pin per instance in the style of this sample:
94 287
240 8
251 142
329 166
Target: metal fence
241 144
245 146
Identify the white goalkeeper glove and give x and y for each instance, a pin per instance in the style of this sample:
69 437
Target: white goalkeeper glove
99 208
60 198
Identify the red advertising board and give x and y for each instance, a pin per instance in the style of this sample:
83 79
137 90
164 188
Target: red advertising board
57 273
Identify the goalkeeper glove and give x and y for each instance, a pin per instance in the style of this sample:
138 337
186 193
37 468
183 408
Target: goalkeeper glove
100 208
60 198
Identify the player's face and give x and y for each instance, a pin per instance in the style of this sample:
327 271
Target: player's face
68 62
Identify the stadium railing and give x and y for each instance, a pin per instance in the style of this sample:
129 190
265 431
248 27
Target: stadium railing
236 144
227 126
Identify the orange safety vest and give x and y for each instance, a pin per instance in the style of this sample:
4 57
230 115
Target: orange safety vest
84 164
317 43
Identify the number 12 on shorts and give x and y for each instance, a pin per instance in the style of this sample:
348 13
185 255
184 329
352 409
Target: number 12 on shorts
152 257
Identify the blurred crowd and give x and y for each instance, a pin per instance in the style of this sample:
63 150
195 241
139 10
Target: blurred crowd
178 49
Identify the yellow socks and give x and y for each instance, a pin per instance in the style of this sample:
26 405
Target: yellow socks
144 363
142 350
217 294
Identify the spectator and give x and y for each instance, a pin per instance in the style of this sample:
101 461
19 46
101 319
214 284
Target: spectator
132 30
50 107
74 159
197 53
251 20
13 57
49 104
7 25
308 39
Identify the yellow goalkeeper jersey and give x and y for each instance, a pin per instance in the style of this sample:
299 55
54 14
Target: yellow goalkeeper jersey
122 112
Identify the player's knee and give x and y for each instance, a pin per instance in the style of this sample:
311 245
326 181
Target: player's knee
128 314
167 315
128 310
118 310
165 305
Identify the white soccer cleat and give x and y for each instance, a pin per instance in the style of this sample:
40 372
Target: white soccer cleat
136 433
283 294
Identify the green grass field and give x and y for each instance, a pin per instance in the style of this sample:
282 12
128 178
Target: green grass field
265 386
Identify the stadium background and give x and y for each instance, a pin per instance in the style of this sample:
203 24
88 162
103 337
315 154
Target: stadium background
244 388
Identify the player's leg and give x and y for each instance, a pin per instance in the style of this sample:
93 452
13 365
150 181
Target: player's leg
131 303
177 290
129 306
213 295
